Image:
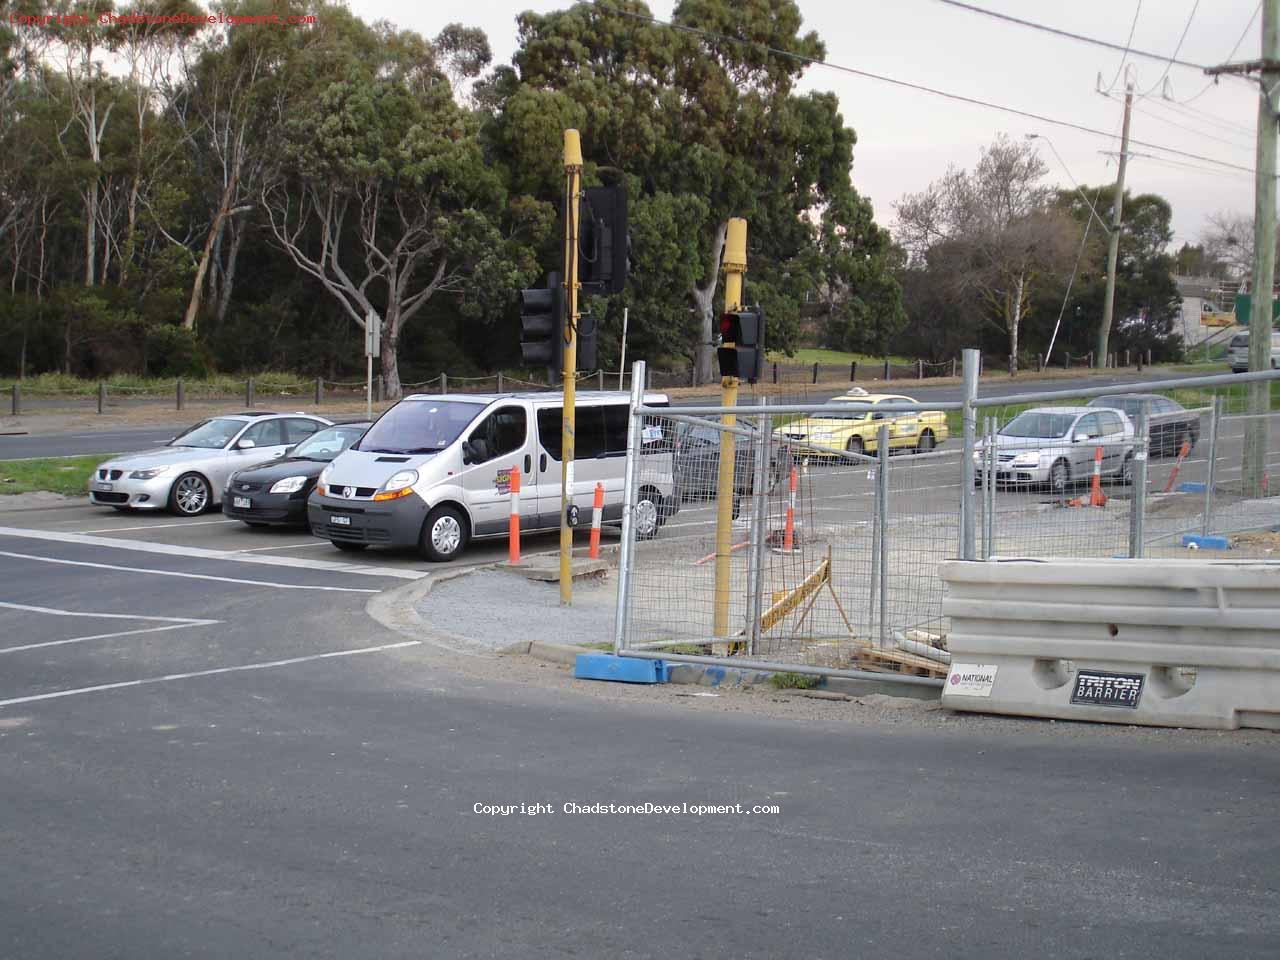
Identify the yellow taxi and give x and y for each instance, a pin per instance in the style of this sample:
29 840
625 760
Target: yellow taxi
856 430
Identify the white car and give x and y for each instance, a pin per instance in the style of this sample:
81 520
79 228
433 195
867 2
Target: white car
1057 446
189 474
1238 352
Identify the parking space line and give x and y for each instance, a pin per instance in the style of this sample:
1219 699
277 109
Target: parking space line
107 636
146 546
207 673
168 623
187 576
287 546
157 526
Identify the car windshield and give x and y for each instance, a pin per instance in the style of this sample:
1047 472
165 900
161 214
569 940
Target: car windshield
1032 423
209 434
1130 405
855 411
418 426
324 445
1240 340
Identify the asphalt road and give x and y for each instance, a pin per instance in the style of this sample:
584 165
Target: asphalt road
123 439
162 800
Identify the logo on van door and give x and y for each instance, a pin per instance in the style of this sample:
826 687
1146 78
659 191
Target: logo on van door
502 480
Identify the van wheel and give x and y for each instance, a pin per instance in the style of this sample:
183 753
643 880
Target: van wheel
648 514
444 535
1126 470
855 445
925 443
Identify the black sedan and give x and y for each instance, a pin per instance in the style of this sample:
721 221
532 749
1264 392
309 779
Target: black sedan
276 492
697 463
1168 422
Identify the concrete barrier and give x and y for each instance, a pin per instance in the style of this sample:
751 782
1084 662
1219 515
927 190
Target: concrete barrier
1185 643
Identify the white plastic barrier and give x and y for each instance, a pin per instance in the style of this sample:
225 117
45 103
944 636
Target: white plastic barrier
1186 643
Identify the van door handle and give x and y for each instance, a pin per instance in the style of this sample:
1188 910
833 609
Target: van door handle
528 464
542 463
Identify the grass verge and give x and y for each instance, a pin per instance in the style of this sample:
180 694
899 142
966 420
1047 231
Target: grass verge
66 475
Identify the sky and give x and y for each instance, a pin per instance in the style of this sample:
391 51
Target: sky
907 138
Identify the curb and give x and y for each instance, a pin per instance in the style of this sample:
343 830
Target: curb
713 675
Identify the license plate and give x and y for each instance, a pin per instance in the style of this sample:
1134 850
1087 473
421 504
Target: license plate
242 503
1102 688
341 521
104 487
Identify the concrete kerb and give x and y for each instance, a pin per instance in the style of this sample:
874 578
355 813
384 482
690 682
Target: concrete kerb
397 609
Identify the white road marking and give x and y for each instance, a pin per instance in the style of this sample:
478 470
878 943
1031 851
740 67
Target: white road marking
169 623
288 546
158 526
107 636
206 673
204 553
187 576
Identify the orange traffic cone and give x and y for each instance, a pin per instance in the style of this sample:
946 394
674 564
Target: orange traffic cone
1096 496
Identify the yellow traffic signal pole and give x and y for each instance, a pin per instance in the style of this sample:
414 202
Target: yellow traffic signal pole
572 193
735 265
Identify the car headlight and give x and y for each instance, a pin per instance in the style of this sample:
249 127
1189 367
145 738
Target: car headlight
323 482
150 474
288 485
400 485
1031 459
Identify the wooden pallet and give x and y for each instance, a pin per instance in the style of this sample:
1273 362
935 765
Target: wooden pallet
897 661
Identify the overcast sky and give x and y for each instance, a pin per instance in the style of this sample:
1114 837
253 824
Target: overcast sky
907 138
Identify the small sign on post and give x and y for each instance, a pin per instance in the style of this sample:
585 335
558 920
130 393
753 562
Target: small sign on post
372 347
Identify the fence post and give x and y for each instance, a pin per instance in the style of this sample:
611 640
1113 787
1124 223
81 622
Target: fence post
919 369
1091 367
815 373
1215 424
377 388
853 370
1139 361
17 399
1148 356
319 390
968 415
1066 361
953 366
882 508
1138 489
1039 363
444 382
500 381
1126 358
873 605
600 379
758 535
887 372
775 371
989 465
102 395
630 476
248 393
181 399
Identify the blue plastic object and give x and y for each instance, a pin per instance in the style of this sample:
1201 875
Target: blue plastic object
1206 543
1191 486
605 666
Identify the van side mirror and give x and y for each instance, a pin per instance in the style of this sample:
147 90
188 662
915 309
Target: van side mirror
245 445
1081 437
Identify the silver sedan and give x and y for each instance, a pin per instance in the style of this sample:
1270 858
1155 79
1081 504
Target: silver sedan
188 474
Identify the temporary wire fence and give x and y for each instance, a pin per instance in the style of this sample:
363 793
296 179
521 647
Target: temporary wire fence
840 515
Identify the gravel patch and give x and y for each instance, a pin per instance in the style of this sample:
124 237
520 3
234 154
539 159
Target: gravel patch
492 610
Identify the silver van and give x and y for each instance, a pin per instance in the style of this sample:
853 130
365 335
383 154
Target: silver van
1238 352
434 471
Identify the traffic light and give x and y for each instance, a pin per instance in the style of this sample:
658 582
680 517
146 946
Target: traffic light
604 240
587 327
542 326
744 329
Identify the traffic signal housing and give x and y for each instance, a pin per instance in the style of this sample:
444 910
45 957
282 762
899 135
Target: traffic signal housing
605 242
542 326
742 349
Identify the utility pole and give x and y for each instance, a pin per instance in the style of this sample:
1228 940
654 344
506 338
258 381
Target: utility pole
1113 247
1256 441
735 265
572 196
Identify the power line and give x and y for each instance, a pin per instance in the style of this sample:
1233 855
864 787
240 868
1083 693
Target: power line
1178 49
1125 56
1195 113
1127 50
1244 33
906 84
1186 166
1199 133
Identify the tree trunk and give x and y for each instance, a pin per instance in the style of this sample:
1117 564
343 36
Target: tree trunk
197 287
91 231
391 388
1014 313
229 268
704 299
